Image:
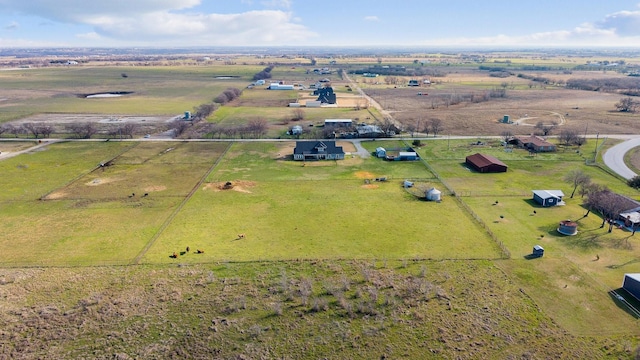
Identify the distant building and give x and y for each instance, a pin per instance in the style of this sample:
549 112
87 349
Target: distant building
277 86
338 122
325 95
534 143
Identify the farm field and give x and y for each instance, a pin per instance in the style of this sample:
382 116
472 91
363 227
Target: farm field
100 239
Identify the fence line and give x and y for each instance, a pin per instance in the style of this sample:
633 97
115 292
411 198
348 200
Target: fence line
505 252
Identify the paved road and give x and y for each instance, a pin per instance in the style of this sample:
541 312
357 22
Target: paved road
614 157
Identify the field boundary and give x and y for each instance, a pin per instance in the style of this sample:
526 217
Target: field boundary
168 221
506 254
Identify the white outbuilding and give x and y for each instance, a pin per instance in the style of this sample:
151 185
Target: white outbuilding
433 194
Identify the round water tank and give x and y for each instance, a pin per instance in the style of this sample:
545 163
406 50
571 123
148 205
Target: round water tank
568 227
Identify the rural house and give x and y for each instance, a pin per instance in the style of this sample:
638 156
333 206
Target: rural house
485 163
317 150
534 143
548 197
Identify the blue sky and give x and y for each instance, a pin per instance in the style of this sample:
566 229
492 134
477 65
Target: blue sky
407 23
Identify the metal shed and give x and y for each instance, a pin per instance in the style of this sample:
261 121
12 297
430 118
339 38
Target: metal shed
548 197
631 284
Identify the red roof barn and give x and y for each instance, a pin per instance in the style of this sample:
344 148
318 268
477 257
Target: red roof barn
485 163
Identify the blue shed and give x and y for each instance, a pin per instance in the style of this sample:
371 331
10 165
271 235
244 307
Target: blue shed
548 197
538 251
631 284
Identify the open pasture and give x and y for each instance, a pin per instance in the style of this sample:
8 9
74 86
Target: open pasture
579 269
88 214
154 90
324 210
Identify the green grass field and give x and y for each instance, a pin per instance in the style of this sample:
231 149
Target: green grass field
331 265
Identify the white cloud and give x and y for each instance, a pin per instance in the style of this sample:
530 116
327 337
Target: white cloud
618 29
371 18
169 22
625 23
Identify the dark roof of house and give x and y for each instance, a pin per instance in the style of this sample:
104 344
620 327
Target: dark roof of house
311 147
535 140
482 160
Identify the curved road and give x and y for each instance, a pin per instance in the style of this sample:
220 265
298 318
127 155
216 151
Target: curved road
614 157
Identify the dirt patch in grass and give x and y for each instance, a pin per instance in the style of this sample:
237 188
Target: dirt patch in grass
285 150
56 195
364 175
347 146
242 186
155 188
370 186
100 181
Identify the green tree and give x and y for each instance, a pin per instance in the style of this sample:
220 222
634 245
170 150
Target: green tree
634 182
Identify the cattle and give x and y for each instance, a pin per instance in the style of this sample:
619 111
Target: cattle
241 236
174 255
200 251
187 249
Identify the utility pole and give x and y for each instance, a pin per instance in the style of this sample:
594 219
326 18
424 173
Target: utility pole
596 150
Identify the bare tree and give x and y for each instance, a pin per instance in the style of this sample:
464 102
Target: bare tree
178 127
436 126
257 127
11 129
82 130
608 203
411 129
203 111
568 136
577 178
546 129
46 130
128 130
506 135
297 114
627 104
32 128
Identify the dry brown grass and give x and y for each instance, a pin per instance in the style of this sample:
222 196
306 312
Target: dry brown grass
581 109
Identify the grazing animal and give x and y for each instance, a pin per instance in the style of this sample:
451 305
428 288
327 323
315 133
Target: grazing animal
241 236
187 249
200 251
534 212
174 255
145 194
